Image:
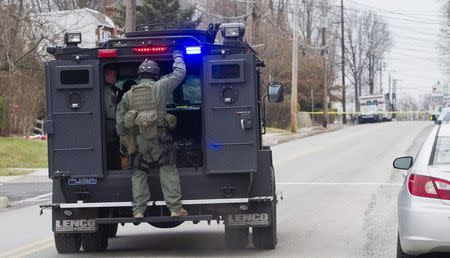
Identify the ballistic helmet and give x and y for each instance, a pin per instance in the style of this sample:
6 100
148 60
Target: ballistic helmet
148 66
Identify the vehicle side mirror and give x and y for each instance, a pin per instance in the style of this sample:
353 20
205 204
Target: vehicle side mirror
275 92
403 163
437 122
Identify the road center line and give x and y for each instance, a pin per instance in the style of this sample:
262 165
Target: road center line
341 183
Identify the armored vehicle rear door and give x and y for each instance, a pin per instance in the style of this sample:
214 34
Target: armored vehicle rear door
74 118
231 115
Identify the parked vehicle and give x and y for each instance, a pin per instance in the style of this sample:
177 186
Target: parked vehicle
443 116
424 199
375 108
226 172
436 105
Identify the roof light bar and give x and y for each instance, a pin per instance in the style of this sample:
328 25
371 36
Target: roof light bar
193 50
150 50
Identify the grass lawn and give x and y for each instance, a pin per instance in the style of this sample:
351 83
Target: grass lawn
16 152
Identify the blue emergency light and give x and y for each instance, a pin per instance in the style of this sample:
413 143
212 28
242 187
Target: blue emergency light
193 50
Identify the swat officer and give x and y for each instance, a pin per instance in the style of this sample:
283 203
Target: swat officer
144 125
110 103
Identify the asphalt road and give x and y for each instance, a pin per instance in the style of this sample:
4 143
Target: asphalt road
339 200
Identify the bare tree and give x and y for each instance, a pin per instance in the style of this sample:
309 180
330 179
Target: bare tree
355 53
62 5
21 68
378 43
445 39
367 41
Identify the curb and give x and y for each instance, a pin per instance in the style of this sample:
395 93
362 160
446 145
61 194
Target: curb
299 136
4 202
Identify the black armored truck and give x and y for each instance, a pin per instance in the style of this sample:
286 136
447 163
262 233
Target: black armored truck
226 172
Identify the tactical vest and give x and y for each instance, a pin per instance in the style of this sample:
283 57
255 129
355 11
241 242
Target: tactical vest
145 105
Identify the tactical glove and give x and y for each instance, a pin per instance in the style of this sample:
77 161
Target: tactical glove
177 53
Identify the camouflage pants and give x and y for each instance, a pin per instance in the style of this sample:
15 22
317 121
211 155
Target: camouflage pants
170 185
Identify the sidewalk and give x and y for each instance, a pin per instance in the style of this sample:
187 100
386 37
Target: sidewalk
272 139
38 175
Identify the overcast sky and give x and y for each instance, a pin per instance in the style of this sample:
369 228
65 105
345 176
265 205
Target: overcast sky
414 27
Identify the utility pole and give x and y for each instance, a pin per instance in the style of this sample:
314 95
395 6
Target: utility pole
325 79
249 10
389 91
381 76
294 83
344 117
312 104
394 93
130 19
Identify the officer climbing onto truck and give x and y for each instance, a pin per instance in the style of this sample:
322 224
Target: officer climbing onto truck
144 127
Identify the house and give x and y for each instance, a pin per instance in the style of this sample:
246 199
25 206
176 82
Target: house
94 26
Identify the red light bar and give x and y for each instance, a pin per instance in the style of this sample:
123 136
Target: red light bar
107 53
150 50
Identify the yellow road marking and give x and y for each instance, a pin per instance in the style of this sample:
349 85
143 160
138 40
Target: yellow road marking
28 249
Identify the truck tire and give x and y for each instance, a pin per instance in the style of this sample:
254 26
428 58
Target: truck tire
266 237
67 243
236 238
97 241
112 229
166 224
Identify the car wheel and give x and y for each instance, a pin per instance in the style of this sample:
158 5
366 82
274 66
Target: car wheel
400 253
67 243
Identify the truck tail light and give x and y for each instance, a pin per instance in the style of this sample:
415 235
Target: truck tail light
107 53
429 187
150 50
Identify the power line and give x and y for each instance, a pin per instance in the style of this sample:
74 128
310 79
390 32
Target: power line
400 13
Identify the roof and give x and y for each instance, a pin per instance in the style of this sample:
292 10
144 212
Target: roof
100 18
372 96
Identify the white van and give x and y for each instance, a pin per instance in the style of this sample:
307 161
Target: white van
375 108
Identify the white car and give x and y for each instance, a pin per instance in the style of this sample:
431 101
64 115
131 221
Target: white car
424 200
443 116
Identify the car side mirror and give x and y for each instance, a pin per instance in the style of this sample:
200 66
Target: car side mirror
403 163
437 122
275 92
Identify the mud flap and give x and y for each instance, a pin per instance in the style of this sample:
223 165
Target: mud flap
256 215
74 220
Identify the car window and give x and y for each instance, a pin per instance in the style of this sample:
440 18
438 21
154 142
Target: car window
369 103
446 117
442 151
375 102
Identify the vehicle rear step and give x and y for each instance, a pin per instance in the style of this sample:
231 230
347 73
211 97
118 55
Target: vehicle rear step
153 219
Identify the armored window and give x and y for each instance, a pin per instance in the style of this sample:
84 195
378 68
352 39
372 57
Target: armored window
226 71
71 77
